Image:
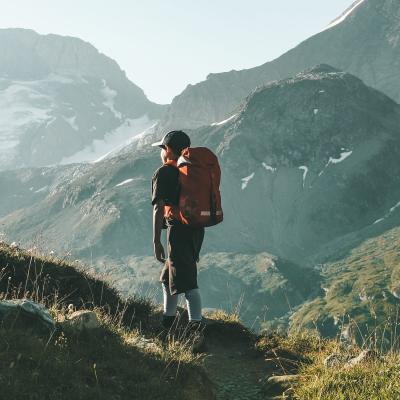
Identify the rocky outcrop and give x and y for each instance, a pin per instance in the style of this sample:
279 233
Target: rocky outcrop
80 321
366 44
26 314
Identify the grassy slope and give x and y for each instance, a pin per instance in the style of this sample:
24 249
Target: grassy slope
362 290
108 364
111 363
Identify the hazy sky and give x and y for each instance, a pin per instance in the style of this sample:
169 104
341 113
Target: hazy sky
163 45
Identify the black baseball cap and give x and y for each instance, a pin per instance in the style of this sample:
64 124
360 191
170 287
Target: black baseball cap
177 140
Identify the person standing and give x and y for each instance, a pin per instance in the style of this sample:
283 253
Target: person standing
179 274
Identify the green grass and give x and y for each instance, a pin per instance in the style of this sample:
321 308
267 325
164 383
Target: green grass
105 364
361 292
375 379
58 283
126 359
108 363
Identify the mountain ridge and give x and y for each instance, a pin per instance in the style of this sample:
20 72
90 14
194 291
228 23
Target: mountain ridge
365 44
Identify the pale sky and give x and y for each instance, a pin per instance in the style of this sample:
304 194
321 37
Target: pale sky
163 45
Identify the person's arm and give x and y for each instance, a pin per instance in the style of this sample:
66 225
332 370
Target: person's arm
158 220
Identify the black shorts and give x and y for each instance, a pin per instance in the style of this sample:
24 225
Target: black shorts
183 247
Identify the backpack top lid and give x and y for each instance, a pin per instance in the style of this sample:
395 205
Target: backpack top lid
197 155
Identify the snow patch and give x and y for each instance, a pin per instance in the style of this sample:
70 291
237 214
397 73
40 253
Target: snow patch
316 111
110 94
343 156
394 208
126 144
342 17
41 189
124 182
305 169
112 141
21 107
224 121
72 122
268 167
245 181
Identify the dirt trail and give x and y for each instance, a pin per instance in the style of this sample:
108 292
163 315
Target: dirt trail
238 371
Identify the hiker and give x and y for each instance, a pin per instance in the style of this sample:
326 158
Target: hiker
184 234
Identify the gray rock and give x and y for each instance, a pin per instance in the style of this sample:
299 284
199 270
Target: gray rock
284 380
26 314
79 321
335 360
279 384
362 357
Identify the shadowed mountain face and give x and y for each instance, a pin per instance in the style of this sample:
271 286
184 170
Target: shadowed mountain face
63 101
304 162
366 43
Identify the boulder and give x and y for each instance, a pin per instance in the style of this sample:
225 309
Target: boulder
362 357
335 360
26 314
281 385
79 321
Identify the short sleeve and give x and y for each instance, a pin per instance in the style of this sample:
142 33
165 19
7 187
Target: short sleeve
164 185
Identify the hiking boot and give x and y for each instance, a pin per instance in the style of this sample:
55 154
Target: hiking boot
167 321
167 327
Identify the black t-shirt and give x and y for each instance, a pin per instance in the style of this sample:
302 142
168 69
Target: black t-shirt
165 186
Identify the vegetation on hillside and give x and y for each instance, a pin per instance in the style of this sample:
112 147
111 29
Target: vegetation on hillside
361 299
128 357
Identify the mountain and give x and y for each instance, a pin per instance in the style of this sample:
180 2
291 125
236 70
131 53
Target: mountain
306 161
309 170
364 41
62 101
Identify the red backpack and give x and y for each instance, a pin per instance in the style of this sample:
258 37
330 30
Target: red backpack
199 179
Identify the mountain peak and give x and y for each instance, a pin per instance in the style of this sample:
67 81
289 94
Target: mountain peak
364 41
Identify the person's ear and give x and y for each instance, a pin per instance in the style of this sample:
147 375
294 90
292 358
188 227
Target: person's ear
169 151
163 155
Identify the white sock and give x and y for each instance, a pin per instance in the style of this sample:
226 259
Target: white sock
193 302
170 302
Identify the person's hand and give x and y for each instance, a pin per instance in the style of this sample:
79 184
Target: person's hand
159 252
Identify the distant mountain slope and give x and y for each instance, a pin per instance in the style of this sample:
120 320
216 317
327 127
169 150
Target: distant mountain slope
359 290
63 101
364 41
305 161
309 170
